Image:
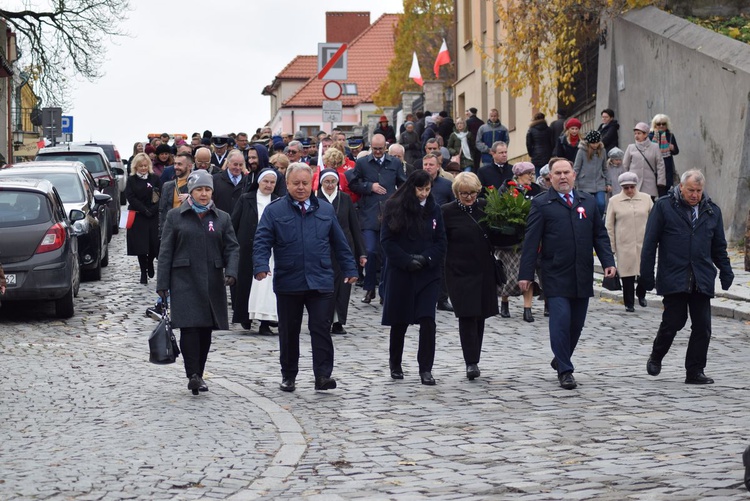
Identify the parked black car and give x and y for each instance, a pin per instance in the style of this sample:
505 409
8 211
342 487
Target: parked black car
115 161
38 249
96 162
76 188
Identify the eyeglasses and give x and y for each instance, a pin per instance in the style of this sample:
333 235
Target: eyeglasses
468 194
546 178
198 162
660 123
293 151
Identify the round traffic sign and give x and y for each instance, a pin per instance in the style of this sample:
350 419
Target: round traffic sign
332 90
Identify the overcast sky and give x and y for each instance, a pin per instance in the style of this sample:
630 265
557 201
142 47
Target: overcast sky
188 67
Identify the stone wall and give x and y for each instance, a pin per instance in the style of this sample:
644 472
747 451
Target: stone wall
655 62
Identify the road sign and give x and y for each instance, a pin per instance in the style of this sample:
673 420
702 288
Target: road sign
51 118
66 124
332 61
332 90
332 111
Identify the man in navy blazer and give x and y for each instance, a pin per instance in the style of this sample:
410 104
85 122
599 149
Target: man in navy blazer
302 233
562 229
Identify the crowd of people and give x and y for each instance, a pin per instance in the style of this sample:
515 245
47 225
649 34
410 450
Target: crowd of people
291 223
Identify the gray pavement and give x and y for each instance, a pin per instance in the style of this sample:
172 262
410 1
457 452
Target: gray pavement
86 417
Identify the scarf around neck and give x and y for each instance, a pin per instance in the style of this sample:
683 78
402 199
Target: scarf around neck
463 136
198 208
660 138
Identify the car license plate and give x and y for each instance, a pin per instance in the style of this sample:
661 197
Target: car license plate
10 279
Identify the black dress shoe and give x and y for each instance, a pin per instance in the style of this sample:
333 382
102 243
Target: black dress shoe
629 309
527 315
567 381
642 301
445 305
324 383
427 378
195 383
546 309
265 329
337 328
653 366
472 372
504 311
553 364
369 296
698 378
287 384
144 278
396 371
150 270
247 325
203 386
746 462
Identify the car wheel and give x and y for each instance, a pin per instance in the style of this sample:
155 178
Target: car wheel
94 274
64 306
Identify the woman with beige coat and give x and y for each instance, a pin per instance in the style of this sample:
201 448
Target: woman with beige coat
626 224
644 159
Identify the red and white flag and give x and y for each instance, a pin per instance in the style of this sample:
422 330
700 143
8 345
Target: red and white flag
414 72
443 57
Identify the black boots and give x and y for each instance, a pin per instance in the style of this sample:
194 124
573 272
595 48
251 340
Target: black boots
504 311
527 316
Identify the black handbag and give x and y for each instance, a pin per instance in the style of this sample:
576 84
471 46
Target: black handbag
162 342
500 276
613 283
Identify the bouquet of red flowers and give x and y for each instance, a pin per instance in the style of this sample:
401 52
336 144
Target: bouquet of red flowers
508 210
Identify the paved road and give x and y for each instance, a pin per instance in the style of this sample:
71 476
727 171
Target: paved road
86 417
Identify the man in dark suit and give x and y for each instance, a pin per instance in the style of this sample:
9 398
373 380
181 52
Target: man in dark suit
567 224
499 171
374 178
303 234
229 184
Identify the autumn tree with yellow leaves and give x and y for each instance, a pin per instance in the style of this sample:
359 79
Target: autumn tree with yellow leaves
540 44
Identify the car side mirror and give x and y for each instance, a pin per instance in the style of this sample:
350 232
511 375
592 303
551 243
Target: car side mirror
102 198
103 183
77 215
118 171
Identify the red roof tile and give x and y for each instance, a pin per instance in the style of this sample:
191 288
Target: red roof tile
368 58
301 67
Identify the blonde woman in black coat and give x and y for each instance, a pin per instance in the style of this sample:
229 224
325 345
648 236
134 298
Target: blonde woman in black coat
142 192
469 267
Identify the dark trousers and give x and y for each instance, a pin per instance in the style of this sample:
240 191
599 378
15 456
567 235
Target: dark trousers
471 332
629 291
676 308
426 351
372 267
319 312
341 294
195 342
566 318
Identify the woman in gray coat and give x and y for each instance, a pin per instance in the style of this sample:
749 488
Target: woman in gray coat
591 169
198 258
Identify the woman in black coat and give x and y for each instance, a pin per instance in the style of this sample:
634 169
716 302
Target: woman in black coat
662 135
469 267
413 239
142 192
538 142
347 216
245 219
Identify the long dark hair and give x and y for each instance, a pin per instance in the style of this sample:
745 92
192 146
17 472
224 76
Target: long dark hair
403 209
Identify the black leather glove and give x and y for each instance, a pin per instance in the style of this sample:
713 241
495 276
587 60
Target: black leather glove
726 281
416 263
163 296
422 260
230 281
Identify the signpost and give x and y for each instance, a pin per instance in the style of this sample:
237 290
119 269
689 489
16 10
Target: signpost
51 122
332 111
332 65
66 122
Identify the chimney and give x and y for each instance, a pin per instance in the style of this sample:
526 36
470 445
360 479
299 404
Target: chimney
343 27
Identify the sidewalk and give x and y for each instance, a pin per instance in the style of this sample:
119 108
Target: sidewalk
732 303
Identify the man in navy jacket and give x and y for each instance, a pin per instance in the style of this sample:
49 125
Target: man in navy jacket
568 226
302 233
688 229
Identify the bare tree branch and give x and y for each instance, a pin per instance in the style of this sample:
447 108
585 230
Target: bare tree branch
64 42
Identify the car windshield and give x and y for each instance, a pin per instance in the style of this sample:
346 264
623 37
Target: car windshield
68 184
20 208
109 150
92 161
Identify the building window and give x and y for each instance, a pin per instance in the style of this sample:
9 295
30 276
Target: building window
468 35
309 130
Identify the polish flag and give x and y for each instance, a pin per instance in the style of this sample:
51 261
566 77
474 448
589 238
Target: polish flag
443 57
414 72
40 144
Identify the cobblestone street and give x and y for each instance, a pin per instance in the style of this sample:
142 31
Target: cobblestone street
87 417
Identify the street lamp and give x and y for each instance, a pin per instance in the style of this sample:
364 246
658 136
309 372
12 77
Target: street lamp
17 138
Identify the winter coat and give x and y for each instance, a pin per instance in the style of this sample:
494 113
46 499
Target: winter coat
494 175
143 235
442 190
538 143
469 264
567 239
388 132
454 147
302 246
609 134
626 224
226 194
166 201
245 224
669 170
687 255
196 254
412 146
564 149
591 174
366 171
411 295
446 128
651 174
487 135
